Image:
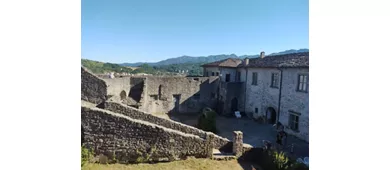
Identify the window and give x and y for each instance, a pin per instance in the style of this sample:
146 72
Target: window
238 76
275 80
197 96
254 78
227 78
212 74
303 82
217 73
294 121
256 110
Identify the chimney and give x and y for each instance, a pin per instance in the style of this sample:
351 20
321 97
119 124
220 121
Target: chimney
262 54
246 61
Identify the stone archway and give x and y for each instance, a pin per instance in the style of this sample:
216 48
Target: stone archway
123 95
271 115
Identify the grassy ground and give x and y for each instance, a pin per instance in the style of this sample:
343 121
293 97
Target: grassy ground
189 164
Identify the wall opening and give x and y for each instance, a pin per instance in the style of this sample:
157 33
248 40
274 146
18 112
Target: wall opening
234 105
159 91
176 100
227 77
123 95
271 115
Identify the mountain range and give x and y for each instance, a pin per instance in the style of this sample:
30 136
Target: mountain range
207 59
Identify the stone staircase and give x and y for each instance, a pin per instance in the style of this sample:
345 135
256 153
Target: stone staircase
218 155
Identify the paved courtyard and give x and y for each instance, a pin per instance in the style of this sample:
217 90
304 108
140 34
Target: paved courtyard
254 132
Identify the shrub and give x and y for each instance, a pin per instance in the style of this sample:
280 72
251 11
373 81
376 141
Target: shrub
207 120
86 155
274 160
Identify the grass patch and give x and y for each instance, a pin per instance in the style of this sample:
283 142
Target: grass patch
189 164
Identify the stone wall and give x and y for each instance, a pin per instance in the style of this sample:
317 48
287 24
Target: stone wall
93 89
134 113
228 92
125 139
293 101
261 96
118 86
192 94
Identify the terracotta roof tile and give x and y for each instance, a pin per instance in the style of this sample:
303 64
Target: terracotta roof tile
230 62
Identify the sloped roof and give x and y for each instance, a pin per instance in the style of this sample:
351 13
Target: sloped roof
280 61
230 62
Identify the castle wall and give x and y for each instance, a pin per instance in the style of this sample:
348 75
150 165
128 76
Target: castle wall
126 140
194 93
93 89
115 86
131 112
293 101
261 96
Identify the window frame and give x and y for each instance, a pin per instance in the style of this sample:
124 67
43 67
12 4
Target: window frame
306 90
296 116
275 82
254 78
238 76
227 77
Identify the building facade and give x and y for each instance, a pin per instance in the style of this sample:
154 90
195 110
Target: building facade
272 88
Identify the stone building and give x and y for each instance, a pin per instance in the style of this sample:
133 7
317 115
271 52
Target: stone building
272 88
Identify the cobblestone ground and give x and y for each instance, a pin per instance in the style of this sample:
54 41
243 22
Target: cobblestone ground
254 132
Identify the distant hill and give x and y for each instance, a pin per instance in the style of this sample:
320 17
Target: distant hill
190 65
208 59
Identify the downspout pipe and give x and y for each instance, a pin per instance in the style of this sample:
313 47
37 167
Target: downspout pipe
280 91
246 80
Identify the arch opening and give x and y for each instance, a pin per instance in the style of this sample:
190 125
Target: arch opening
123 95
271 115
234 105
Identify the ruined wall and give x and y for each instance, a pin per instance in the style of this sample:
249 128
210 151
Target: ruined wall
138 90
116 86
93 89
194 93
110 134
261 96
219 142
294 101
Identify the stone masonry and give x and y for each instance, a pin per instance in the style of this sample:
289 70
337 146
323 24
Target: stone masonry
93 89
127 140
237 143
134 113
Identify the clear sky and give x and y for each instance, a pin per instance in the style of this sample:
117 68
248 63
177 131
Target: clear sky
152 30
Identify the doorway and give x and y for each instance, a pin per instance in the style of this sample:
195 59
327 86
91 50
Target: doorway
271 115
176 100
234 105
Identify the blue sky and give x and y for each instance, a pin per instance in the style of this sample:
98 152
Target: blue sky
152 30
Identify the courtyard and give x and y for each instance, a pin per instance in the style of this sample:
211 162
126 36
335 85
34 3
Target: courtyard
254 132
